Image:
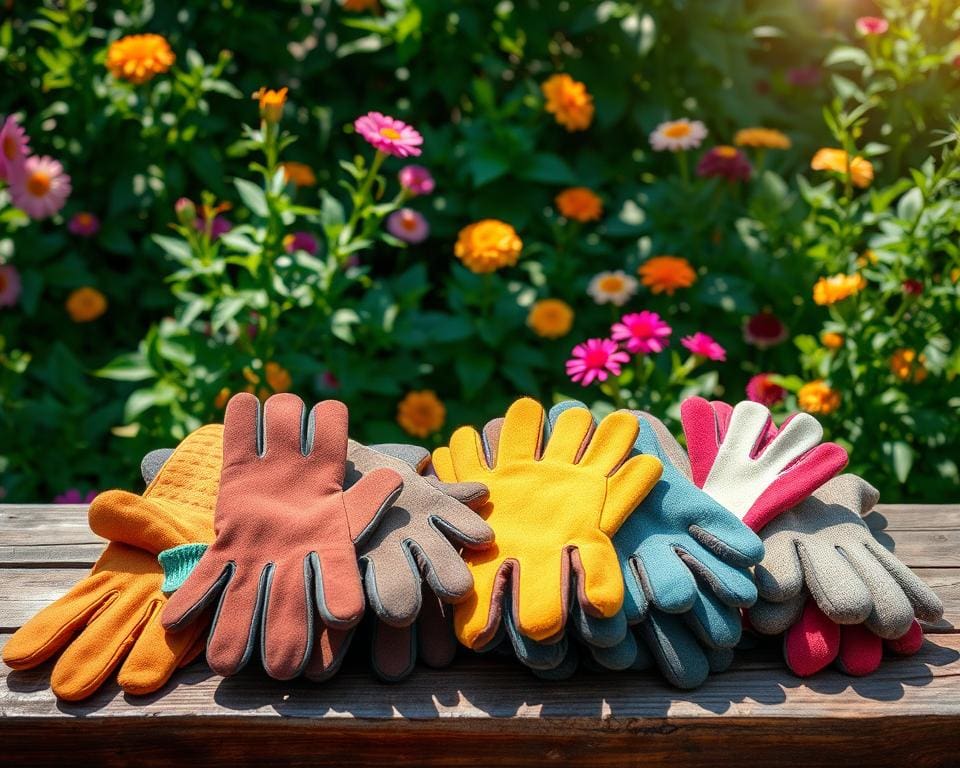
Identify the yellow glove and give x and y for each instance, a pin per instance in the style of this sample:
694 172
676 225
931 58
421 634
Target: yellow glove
551 509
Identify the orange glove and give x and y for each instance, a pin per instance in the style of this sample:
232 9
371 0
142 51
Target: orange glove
114 613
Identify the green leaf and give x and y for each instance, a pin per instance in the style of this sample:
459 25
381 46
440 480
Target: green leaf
474 371
253 197
128 367
901 457
732 294
342 322
910 205
177 249
549 169
226 310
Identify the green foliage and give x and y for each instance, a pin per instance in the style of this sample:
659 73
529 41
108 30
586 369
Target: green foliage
195 313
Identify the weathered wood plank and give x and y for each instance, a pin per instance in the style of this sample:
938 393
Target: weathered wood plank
911 517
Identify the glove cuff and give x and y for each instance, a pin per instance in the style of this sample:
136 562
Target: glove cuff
178 563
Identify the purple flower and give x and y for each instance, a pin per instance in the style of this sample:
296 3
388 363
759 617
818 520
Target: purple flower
74 496
408 225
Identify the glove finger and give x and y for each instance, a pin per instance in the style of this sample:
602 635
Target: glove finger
461 524
927 606
627 488
466 455
907 645
236 621
445 571
836 582
392 581
812 643
157 653
720 659
570 435
596 631
521 438
635 600
436 642
152 462
669 448
598 577
337 587
733 586
443 465
666 582
491 440
675 650
892 611
328 650
533 654
97 651
204 585
392 651
563 671
621 656
702 435
770 618
715 624
241 430
287 620
478 617
725 536
465 493
861 651
416 456
368 499
611 443
780 575
798 435
326 438
51 629
542 597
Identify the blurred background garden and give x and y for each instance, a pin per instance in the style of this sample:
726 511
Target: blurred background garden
427 209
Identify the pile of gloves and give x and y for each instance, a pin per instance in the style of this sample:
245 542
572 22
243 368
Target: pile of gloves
550 537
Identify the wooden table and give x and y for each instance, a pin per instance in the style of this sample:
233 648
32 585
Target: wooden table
488 711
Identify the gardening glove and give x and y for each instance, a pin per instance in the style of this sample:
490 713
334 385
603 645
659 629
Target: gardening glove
863 597
286 533
113 615
676 534
552 515
753 469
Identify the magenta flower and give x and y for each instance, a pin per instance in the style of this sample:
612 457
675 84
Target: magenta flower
389 135
327 381
74 496
872 25
300 241
219 226
40 188
912 287
764 330
804 77
644 332
9 285
14 148
416 180
704 346
408 225
762 390
83 224
726 162
595 360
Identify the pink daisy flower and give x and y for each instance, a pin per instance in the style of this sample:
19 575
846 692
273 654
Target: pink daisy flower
644 332
14 148
703 345
84 224
389 135
41 188
74 496
416 180
595 360
872 25
726 162
9 285
762 390
300 241
764 330
408 225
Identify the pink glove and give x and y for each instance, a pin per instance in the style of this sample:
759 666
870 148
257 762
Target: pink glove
740 458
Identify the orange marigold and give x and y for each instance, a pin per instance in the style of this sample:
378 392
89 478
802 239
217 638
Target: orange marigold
568 101
838 161
830 290
761 138
907 365
278 377
421 413
664 274
139 58
579 204
222 398
488 245
550 318
271 103
299 174
817 397
86 304
831 339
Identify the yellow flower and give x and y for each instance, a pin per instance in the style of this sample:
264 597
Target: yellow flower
550 318
867 258
299 174
86 304
421 413
817 397
568 101
837 160
664 274
907 365
278 378
830 290
271 103
488 245
139 58
831 340
223 396
579 204
761 138
955 275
